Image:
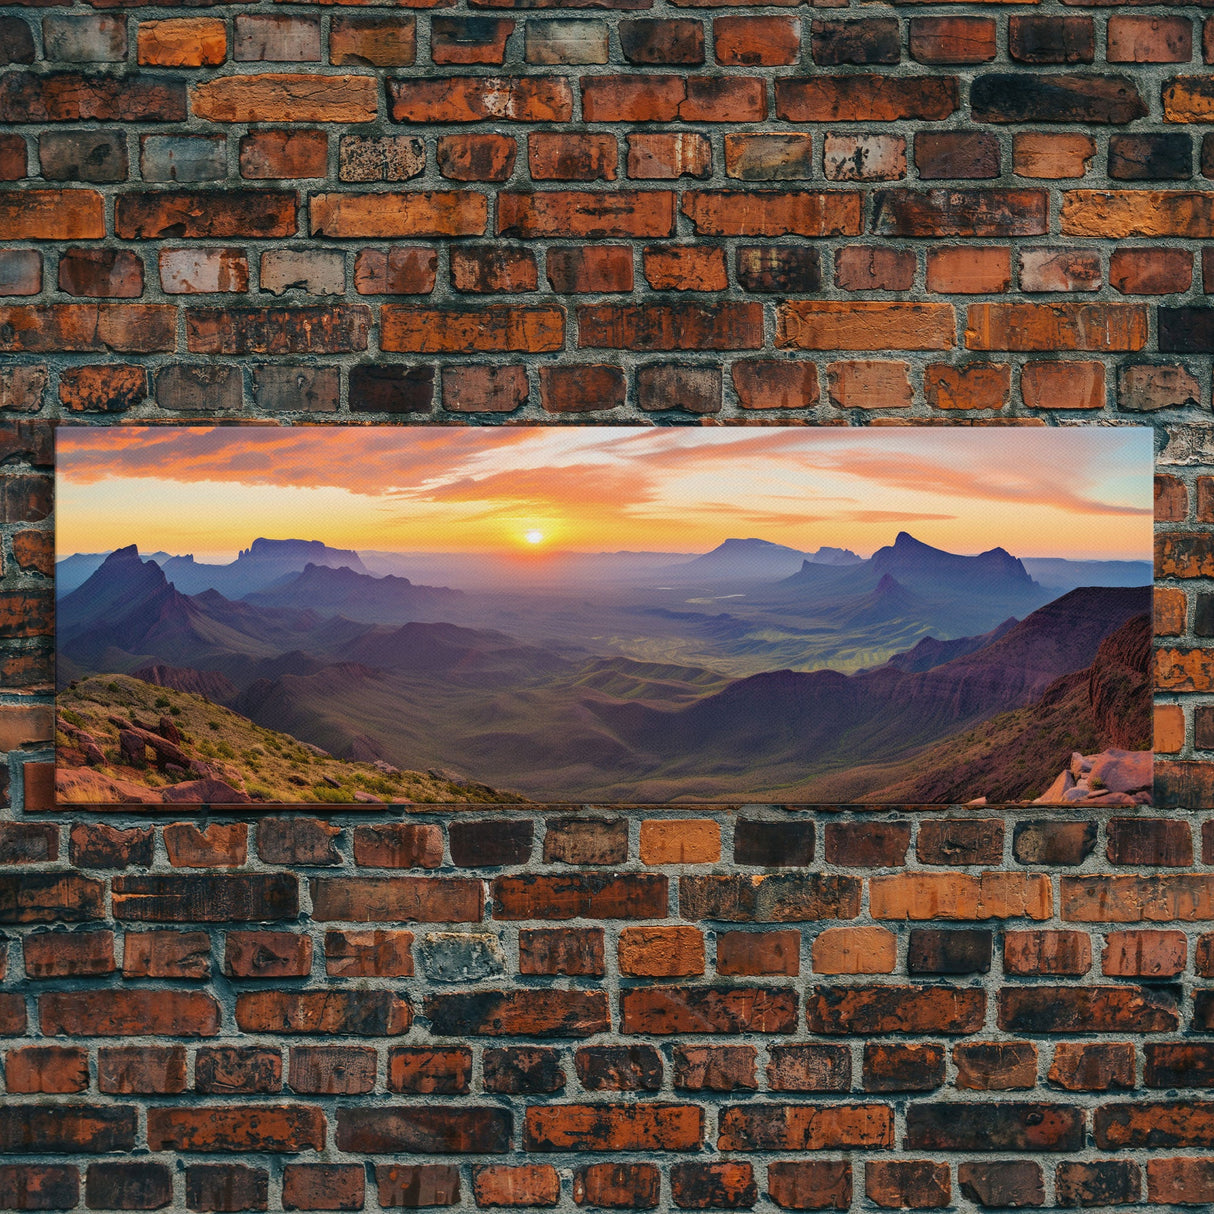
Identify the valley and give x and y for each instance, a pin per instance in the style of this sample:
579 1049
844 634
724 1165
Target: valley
751 671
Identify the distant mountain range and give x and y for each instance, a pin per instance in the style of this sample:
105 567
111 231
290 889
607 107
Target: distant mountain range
551 699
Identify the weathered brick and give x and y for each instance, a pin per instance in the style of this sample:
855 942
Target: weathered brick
1003 1126
376 41
892 1067
1084 1066
894 1009
182 42
417 1185
469 39
166 954
399 270
772 213
619 1068
283 97
108 388
706 1009
960 212
570 41
899 1184
865 97
496 1185
666 156
517 1013
267 955
802 1127
863 157
476 157
810 1185
76 97
661 952
575 951
1101 1182
479 98
226 1187
1056 1009
617 1185
387 1129
499 327
938 40
128 1012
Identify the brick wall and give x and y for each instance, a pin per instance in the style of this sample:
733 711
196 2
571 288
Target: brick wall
669 212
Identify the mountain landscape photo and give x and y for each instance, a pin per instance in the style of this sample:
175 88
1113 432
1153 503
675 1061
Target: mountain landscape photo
641 615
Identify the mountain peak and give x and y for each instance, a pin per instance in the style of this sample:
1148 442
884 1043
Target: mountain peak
123 556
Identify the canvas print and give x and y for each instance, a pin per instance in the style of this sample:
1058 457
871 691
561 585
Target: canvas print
891 615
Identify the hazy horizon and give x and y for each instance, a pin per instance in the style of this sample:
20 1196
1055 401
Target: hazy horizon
1077 493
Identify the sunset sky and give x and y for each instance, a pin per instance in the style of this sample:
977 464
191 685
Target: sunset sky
1080 492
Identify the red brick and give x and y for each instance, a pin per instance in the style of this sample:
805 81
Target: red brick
226 1187
228 1069
415 1185
1149 39
365 954
756 41
668 155
1057 1009
484 389
318 1186
1179 1181
871 384
974 386
773 213
48 897
809 1068
379 41
122 1013
661 952
26 1186
590 270
755 953
130 1185
966 270
679 326
515 1013
995 1066
1104 1181
436 213
476 157
431 1128
1016 1126
429 1071
558 156
613 1127
685 268
804 1127
166 954
516 1071
20 272
561 951
49 1069
810 1185
105 327
1047 952
1054 157
76 97
60 954
577 840
221 844
493 268
108 388
770 157
332 1070
874 268
907 1184
956 154
656 42
371 1013
1063 385
182 42
262 954
903 1068
1093 1066
501 327
480 98
142 215
1149 841
497 1185
1134 271
400 270
714 1068
617 1186
989 213
336 329
620 213
725 1185
764 384
864 325
894 1009
619 1068
664 1010
952 39
246 1127
864 97
285 97
469 39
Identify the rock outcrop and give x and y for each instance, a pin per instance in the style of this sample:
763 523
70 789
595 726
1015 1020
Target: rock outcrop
1112 777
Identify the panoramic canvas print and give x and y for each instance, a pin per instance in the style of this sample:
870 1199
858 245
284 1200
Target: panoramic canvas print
897 615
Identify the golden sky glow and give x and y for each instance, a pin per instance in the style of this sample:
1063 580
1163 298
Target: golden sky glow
1080 492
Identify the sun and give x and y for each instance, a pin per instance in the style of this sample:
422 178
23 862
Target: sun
534 537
